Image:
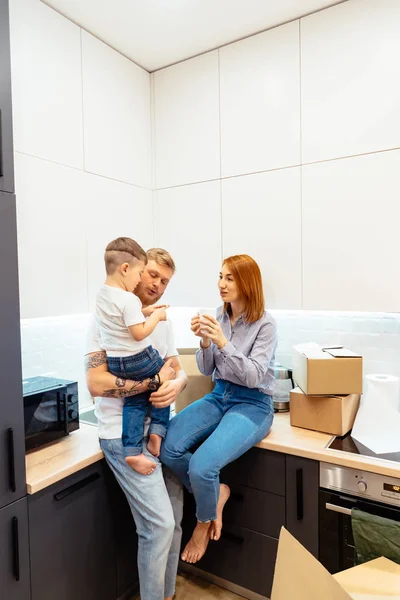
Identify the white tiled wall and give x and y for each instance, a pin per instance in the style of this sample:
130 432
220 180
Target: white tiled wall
55 346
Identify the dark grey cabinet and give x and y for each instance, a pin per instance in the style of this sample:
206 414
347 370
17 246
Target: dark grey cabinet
72 542
12 446
14 552
302 482
6 140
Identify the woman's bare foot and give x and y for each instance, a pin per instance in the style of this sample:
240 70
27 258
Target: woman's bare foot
154 444
197 545
216 526
141 464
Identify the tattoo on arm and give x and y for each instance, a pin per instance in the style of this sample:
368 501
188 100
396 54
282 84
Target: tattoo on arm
95 360
122 391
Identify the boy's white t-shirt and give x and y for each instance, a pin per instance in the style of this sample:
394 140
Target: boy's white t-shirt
116 310
109 410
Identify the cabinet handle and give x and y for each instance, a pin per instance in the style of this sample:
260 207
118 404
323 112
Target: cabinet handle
76 486
237 497
299 494
11 459
236 539
15 548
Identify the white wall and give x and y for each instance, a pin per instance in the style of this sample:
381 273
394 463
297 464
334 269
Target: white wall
300 127
82 140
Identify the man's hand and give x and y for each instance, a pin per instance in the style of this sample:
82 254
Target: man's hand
167 372
167 393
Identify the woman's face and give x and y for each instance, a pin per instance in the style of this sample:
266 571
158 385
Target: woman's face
227 286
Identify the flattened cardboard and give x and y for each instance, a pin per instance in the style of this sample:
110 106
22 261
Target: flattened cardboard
329 414
327 371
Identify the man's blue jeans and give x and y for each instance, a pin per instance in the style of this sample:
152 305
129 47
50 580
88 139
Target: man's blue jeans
138 367
222 426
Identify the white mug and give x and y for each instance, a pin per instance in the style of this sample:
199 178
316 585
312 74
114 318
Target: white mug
210 312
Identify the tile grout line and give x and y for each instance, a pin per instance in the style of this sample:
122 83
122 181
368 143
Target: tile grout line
301 179
220 161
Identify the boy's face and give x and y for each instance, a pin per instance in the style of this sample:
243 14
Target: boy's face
133 274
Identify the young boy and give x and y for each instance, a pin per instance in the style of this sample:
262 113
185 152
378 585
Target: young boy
123 330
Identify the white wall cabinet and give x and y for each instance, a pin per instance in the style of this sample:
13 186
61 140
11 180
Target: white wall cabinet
261 216
186 122
188 225
351 242
260 102
117 114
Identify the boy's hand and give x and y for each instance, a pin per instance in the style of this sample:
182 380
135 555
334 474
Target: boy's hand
161 314
148 310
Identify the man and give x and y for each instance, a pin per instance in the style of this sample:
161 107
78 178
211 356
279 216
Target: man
156 504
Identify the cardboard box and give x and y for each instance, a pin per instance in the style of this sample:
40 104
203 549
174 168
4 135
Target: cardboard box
330 414
299 576
322 370
198 385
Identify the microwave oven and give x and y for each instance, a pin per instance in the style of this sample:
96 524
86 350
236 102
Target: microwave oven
51 409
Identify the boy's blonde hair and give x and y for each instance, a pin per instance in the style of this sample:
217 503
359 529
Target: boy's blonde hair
123 250
162 257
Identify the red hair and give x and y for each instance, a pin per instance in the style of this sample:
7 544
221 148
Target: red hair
247 275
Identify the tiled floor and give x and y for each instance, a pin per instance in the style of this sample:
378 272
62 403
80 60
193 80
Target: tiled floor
194 588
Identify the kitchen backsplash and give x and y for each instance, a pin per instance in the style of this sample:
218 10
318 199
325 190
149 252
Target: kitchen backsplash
55 346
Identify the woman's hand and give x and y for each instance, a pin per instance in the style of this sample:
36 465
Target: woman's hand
213 330
195 327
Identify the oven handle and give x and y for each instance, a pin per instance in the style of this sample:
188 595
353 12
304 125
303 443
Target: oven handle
338 509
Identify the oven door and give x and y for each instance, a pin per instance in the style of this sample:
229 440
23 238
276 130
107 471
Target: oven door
336 543
46 417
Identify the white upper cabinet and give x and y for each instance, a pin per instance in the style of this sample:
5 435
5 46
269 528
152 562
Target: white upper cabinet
351 242
47 83
260 102
186 122
117 115
350 79
188 225
261 216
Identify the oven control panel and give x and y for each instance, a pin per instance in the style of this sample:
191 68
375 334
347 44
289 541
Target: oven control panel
360 483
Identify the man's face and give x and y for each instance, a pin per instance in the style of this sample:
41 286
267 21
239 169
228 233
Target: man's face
155 279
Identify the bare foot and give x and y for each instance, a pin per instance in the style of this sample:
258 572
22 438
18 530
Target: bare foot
216 526
141 464
197 545
154 444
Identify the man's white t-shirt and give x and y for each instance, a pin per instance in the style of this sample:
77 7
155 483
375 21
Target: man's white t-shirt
116 310
109 410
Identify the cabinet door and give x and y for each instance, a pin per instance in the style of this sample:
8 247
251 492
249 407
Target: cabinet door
6 141
14 552
72 544
12 445
302 481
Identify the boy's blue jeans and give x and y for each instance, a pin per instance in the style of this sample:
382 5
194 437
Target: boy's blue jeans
212 432
138 367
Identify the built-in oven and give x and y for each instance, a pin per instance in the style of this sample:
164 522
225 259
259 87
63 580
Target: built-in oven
51 409
341 490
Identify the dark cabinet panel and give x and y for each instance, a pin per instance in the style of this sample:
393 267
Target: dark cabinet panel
259 469
6 141
14 552
302 481
12 446
72 545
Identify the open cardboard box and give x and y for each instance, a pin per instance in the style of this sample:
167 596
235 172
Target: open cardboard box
299 576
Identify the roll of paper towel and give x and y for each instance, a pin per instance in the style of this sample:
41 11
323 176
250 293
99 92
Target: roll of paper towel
377 424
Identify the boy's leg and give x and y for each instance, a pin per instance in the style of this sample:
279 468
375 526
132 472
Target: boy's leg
133 416
158 428
153 515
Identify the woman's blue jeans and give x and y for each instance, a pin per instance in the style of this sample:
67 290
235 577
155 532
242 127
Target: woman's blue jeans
212 432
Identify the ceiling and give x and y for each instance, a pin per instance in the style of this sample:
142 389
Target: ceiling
157 33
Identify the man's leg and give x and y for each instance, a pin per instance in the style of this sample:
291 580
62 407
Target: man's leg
153 515
175 491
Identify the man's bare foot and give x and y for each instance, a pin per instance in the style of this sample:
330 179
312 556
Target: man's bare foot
197 545
141 464
216 526
154 444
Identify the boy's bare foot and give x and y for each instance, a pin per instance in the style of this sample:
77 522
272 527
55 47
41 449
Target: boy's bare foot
154 444
216 526
197 545
141 464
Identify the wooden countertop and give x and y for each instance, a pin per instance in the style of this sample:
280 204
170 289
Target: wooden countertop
81 448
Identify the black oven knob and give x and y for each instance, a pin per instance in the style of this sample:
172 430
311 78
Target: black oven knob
72 398
72 414
362 485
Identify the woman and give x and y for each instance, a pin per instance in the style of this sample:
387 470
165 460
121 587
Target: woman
238 347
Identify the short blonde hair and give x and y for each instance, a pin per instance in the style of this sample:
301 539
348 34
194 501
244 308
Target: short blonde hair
122 250
162 257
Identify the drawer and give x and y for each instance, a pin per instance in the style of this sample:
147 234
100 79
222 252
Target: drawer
256 510
244 558
259 469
